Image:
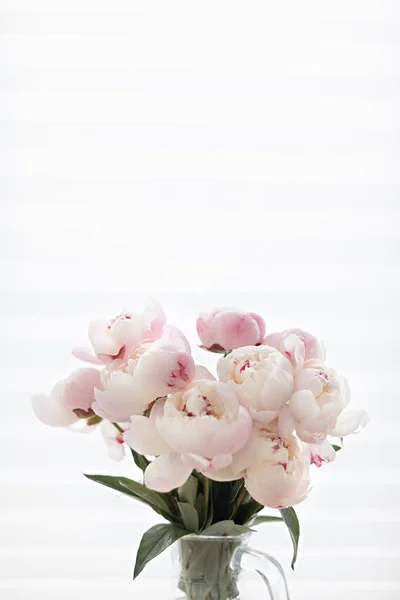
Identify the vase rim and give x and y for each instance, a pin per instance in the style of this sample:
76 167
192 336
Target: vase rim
212 538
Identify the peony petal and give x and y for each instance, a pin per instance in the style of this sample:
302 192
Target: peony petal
303 406
86 355
143 437
286 422
158 409
233 330
163 370
79 388
102 413
206 436
166 473
277 389
120 402
101 339
155 320
172 336
116 451
294 349
220 461
225 474
203 464
195 461
203 374
350 421
263 416
51 411
319 453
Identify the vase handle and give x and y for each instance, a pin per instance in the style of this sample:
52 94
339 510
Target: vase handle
268 568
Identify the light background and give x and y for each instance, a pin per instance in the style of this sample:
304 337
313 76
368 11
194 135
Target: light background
206 153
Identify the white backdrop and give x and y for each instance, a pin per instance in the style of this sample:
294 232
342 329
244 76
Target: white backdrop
210 153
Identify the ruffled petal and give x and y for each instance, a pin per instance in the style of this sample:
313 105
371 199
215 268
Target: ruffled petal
120 403
286 422
86 355
195 461
349 421
101 339
203 374
173 336
319 453
166 473
143 437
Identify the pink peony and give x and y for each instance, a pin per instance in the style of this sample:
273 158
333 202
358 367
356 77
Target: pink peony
199 428
113 339
225 329
75 392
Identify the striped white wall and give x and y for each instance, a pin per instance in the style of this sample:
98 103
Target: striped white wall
205 153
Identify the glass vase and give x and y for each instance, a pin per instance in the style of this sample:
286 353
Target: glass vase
225 568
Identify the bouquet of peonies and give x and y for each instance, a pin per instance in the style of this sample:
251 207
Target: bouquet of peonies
214 451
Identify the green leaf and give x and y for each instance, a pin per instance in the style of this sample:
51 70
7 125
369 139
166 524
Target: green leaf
247 510
149 496
200 507
189 515
265 519
135 490
154 542
226 528
221 500
112 482
336 448
188 491
140 461
208 502
292 523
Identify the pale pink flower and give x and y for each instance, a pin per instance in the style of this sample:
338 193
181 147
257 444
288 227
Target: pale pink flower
264 378
279 479
150 371
199 428
317 406
114 338
114 439
74 393
319 397
275 469
297 345
228 328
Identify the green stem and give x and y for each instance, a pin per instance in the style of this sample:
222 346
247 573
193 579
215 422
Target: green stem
239 501
118 427
206 492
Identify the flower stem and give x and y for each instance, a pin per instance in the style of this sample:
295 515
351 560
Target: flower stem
206 492
239 500
118 427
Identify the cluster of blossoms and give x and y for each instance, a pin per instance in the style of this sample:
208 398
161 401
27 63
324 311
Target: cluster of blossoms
265 419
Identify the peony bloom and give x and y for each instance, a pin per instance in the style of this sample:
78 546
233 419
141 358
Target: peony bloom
74 393
297 345
150 371
114 439
316 408
199 428
114 338
226 328
278 476
264 377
